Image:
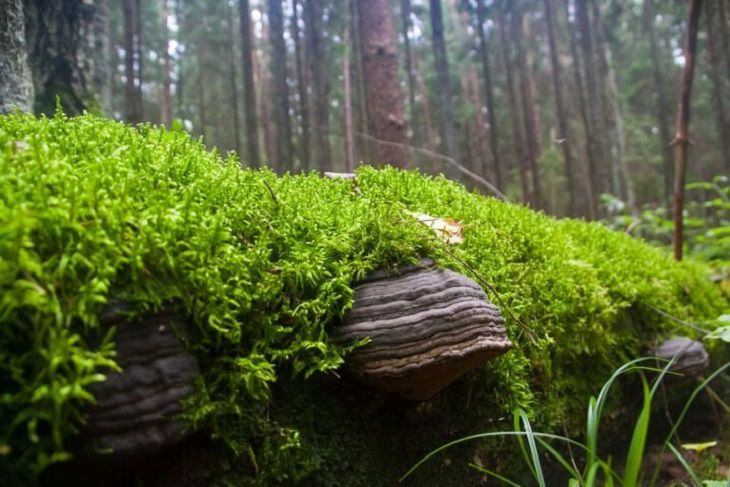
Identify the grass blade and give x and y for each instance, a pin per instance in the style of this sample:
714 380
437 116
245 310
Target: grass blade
695 479
635 455
494 474
559 458
537 467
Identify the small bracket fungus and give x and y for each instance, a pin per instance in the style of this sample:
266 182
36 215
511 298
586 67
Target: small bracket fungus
135 409
426 326
691 359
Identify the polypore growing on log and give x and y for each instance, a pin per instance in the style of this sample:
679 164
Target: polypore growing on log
135 409
426 326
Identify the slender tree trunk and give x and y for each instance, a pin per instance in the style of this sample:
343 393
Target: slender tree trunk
139 49
405 13
593 99
280 88
480 126
249 90
563 133
166 101
317 60
662 105
681 139
489 94
132 114
443 80
304 154
382 82
421 84
233 86
365 148
589 166
262 79
515 110
201 100
724 11
529 117
349 126
16 83
101 51
723 126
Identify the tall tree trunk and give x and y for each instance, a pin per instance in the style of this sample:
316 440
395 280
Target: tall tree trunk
480 126
529 117
382 82
592 99
621 182
349 124
139 48
280 88
489 94
563 133
262 79
317 60
723 126
166 101
724 13
421 84
101 48
365 149
517 128
249 90
16 84
405 13
61 59
660 97
588 168
304 154
131 107
681 139
233 86
443 81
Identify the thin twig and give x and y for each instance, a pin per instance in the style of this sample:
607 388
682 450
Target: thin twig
271 192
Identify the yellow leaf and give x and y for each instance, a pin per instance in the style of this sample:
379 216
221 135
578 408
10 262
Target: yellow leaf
447 230
699 447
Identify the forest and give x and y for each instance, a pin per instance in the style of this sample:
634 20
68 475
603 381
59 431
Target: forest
365 242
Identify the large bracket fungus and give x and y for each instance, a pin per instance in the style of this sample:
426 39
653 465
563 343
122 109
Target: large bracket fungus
135 409
426 328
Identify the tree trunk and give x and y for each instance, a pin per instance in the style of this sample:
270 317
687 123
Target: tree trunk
382 82
723 126
317 60
405 13
592 99
365 149
166 101
660 97
60 54
131 113
304 154
349 127
529 116
233 86
262 79
101 48
563 133
517 128
249 90
724 28
443 81
280 89
139 48
16 84
681 139
480 126
489 94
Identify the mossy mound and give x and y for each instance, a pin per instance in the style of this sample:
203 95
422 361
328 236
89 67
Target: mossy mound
92 210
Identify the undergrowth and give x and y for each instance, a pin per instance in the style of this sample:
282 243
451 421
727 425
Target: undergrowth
92 210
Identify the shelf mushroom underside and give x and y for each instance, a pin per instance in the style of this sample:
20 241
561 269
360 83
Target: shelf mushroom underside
426 328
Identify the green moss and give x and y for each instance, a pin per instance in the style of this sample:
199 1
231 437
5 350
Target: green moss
92 210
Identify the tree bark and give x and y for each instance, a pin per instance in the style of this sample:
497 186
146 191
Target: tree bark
660 97
317 60
233 86
139 56
405 13
443 81
262 79
681 138
280 88
529 116
166 101
382 82
304 154
131 112
349 126
517 128
489 95
249 89
16 83
723 126
58 36
563 132
724 12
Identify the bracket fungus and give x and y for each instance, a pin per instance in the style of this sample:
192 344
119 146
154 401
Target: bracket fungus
135 409
690 356
426 327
